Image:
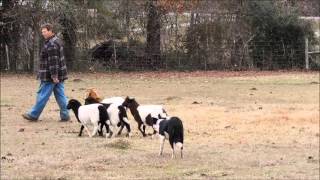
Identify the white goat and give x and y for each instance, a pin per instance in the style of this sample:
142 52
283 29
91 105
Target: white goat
93 114
144 114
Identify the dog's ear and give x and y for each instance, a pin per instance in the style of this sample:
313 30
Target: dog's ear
88 93
92 92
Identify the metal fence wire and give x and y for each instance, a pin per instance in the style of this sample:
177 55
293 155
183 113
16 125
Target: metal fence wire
207 39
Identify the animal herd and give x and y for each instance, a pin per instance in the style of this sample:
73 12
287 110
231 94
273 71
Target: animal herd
111 114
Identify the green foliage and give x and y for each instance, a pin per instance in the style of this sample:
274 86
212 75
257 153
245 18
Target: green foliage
205 44
278 36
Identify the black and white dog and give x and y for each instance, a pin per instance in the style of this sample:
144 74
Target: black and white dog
172 129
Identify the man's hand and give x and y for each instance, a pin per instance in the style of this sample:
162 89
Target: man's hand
55 80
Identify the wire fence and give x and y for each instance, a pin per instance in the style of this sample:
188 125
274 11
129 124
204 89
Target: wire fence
229 56
256 55
206 38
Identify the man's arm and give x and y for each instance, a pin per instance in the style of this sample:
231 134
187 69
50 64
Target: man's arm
53 61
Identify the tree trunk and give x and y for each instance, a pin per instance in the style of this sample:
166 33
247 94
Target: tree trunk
8 58
127 26
36 50
153 36
127 29
70 39
10 33
176 39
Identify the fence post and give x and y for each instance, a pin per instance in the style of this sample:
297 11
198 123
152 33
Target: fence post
7 57
306 53
36 48
115 53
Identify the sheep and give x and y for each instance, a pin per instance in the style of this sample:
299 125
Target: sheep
117 115
94 114
144 114
172 129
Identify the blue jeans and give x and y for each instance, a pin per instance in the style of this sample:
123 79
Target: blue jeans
43 95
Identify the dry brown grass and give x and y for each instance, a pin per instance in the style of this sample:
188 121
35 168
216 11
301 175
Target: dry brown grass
237 125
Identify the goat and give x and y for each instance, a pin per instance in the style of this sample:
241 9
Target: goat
144 113
94 114
117 114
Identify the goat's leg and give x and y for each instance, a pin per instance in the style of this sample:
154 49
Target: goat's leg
140 129
128 129
110 134
100 132
126 123
121 128
95 129
107 128
144 129
87 130
114 131
81 129
109 131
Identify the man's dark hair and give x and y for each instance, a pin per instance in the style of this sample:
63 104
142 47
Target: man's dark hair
47 26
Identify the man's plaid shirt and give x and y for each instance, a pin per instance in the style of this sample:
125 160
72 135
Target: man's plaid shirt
52 62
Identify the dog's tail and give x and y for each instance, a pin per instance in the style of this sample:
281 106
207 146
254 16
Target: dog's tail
177 130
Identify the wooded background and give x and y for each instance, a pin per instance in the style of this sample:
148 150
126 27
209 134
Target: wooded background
161 34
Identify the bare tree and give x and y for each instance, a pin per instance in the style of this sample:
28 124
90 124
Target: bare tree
153 35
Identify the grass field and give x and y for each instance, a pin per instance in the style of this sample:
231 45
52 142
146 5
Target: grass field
238 125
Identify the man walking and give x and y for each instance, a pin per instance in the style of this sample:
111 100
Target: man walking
52 72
